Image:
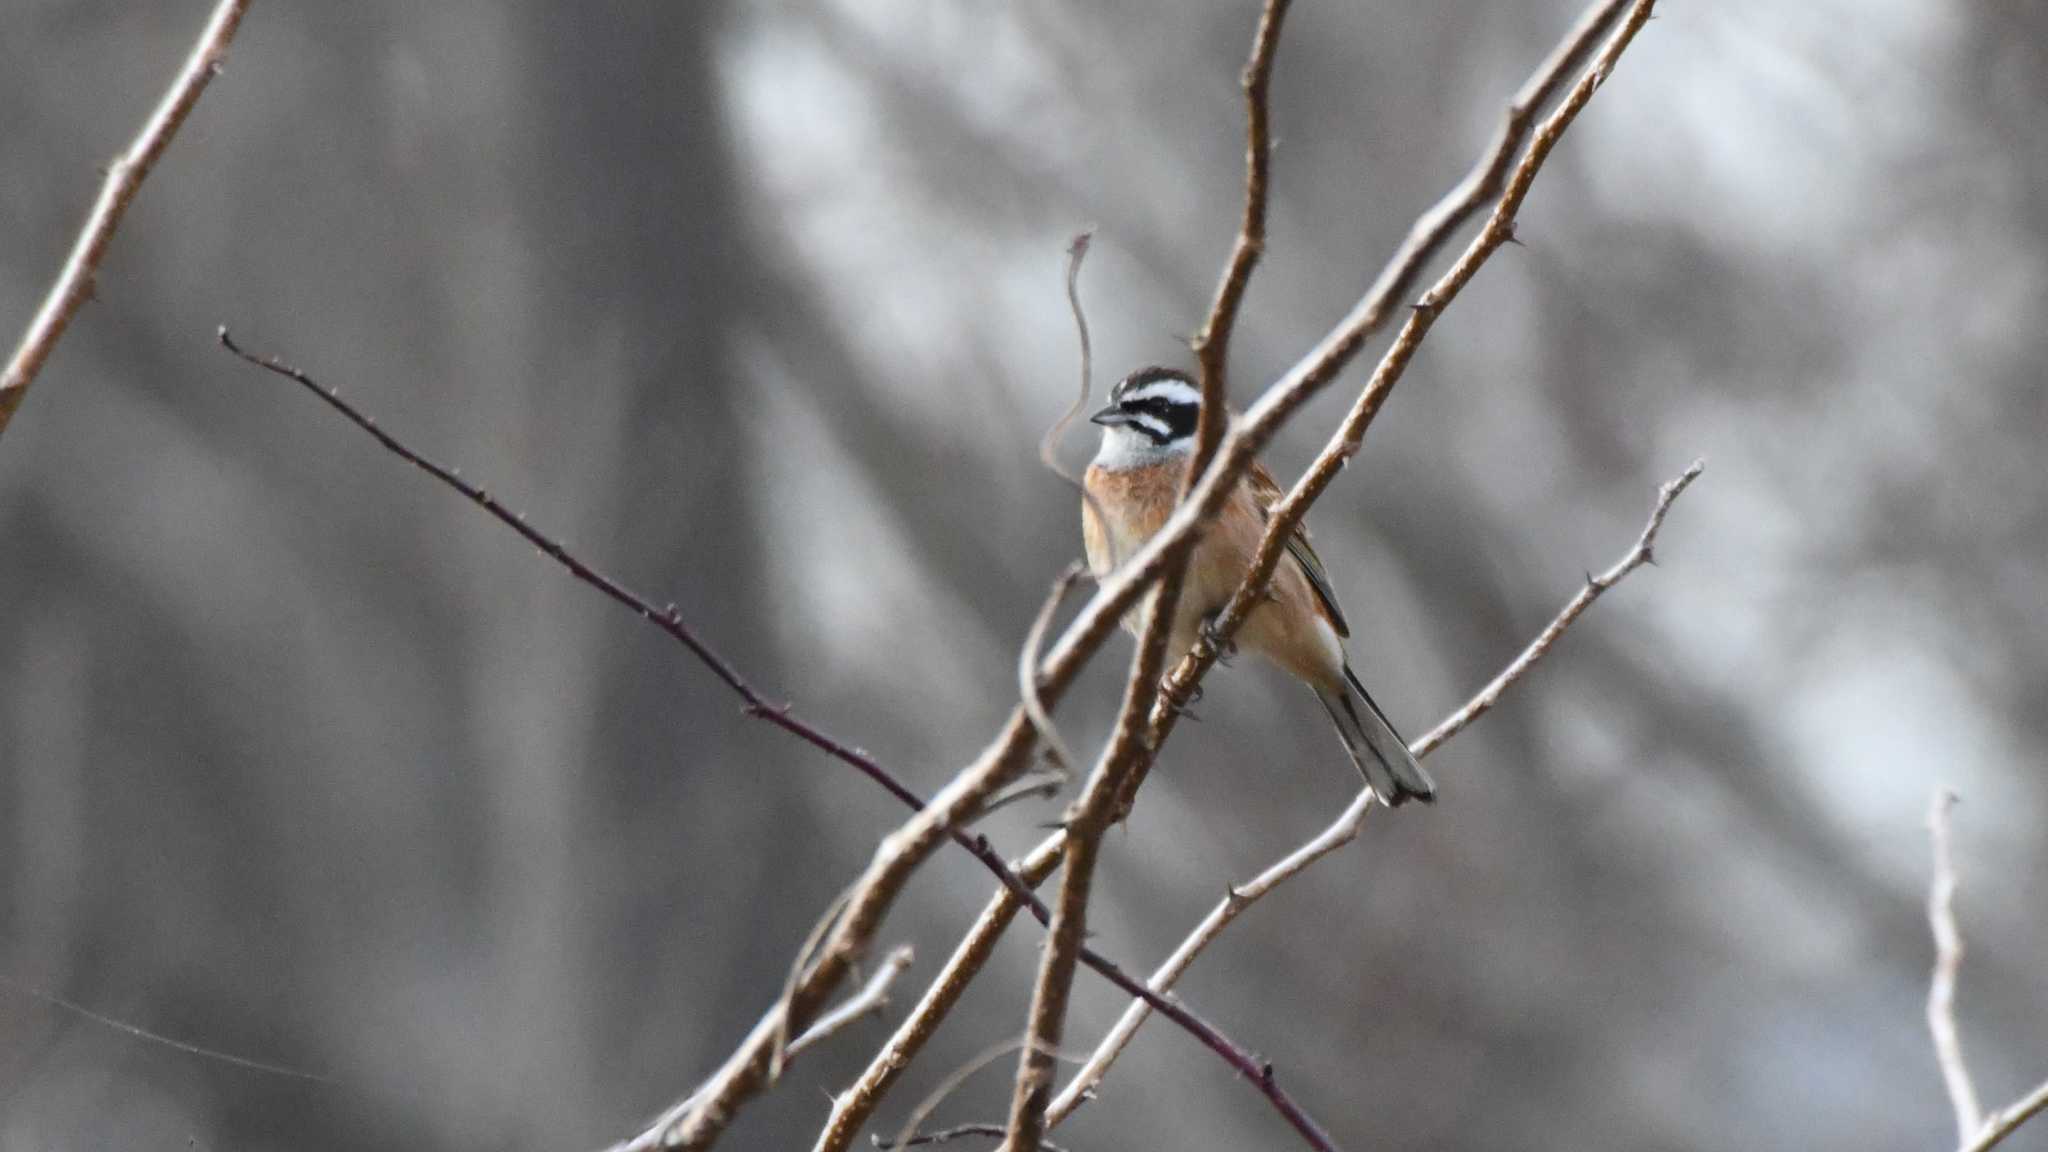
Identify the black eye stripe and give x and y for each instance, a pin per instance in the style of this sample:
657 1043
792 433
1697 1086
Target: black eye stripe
1178 416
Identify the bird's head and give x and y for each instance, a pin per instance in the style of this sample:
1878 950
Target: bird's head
1151 415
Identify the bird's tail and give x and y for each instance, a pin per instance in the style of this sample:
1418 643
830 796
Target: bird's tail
1380 753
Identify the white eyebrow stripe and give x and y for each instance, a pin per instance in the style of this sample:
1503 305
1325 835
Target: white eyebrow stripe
1177 391
1153 424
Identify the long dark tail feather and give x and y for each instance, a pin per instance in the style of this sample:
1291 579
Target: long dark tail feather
1378 751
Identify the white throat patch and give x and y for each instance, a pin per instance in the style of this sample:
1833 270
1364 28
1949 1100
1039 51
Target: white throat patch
1124 448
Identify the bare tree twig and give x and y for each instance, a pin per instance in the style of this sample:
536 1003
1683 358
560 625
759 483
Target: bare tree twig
1086 820
2008 1120
1212 341
899 854
1027 671
1129 749
74 284
958 1132
1974 1132
667 619
1948 959
872 997
1346 827
1150 569
804 954
1497 173
670 621
906 1136
1643 553
1147 571
1048 445
1240 446
852 1108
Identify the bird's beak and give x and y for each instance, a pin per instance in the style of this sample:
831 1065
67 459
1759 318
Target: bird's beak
1110 417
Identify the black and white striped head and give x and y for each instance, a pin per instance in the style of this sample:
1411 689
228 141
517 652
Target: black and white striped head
1151 415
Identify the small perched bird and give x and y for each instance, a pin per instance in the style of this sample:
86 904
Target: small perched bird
1148 435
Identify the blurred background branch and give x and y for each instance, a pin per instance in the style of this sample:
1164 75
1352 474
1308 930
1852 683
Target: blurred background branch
74 284
1974 1131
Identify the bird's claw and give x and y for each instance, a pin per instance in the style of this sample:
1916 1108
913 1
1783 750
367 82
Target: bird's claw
1224 649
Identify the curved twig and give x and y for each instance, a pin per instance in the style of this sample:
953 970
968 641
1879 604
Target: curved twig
1241 443
770 1034
1948 959
1027 674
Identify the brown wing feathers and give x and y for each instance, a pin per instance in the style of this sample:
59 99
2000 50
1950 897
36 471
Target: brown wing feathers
1265 493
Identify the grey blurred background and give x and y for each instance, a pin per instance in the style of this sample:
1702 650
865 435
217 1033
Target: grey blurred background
303 759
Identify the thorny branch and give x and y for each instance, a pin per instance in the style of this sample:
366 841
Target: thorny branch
1212 342
1240 446
778 1023
74 284
1346 827
1974 1131
906 1136
1497 174
1286 515
1129 749
899 854
873 997
1086 820
1166 551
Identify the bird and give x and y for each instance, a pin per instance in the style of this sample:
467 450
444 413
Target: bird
1131 488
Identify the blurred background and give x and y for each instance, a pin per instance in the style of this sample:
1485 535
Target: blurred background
760 306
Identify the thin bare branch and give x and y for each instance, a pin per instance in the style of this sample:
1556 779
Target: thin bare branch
778 1023
74 284
1212 341
1493 172
1043 785
1346 827
1149 570
907 1135
1129 749
804 954
1027 668
1086 820
1643 553
872 998
1948 960
958 1132
1163 554
1241 444
2007 1121
668 619
852 1108
1049 444
1974 1132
